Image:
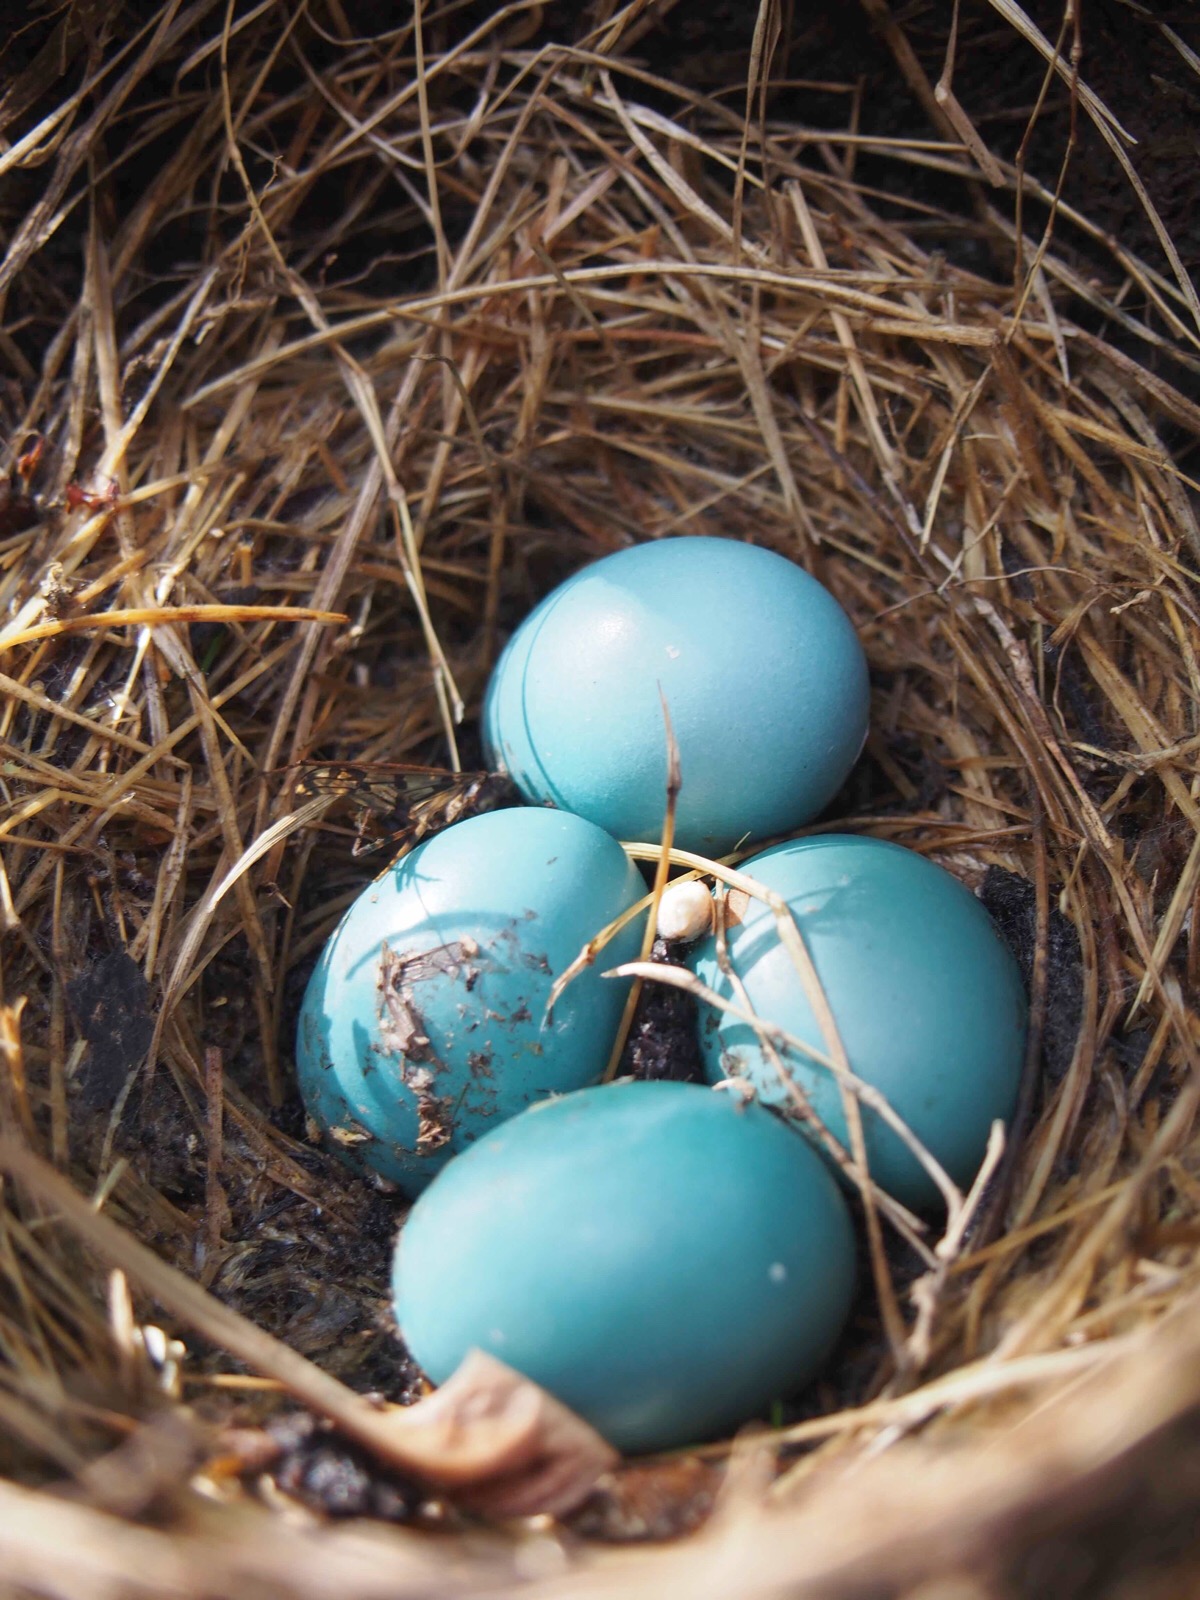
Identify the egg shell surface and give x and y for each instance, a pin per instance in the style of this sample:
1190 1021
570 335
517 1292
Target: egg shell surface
665 1259
422 1025
927 999
760 667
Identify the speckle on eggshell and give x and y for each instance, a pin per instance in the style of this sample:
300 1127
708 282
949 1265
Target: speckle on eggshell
423 1022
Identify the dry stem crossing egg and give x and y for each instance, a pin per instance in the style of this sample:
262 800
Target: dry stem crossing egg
927 999
760 669
422 1025
665 1260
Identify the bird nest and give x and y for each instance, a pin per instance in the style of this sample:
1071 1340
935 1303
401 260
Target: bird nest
331 344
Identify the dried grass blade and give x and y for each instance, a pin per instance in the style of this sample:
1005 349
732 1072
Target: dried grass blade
164 616
497 1431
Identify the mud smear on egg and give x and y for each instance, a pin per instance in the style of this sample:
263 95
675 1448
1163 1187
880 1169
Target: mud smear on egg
423 1015
402 1029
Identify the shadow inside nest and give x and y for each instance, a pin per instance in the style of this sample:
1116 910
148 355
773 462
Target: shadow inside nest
308 1261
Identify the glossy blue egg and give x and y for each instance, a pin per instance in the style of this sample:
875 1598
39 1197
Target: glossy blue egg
663 1258
422 1026
927 999
760 668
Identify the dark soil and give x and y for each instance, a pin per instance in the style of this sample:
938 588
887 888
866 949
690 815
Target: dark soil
664 1040
330 1475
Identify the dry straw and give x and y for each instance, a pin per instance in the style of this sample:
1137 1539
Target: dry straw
356 341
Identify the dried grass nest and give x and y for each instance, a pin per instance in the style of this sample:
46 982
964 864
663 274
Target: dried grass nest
344 345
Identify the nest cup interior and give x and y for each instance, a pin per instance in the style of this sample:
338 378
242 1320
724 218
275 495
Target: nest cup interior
344 347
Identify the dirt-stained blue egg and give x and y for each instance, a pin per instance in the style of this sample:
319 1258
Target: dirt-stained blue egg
760 668
423 1023
927 999
664 1258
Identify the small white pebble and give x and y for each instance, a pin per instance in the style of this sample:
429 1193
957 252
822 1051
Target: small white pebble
685 911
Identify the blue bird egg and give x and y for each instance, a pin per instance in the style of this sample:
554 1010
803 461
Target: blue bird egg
928 1001
664 1259
423 1023
760 668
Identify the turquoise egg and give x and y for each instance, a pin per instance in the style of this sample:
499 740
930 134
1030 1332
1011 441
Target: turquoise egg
422 1026
928 1001
664 1259
762 673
